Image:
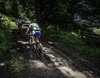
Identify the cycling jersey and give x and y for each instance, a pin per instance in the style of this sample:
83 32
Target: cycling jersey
35 29
34 26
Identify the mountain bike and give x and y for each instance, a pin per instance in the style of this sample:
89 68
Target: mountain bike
36 47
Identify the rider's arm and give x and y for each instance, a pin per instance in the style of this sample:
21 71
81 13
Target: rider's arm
27 30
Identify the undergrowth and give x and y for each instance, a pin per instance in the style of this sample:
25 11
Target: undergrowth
72 39
15 63
7 20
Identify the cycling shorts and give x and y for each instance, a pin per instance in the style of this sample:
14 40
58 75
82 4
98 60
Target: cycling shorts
36 34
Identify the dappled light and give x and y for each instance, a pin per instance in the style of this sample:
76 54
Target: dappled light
54 64
37 64
54 59
69 39
23 42
2 64
65 66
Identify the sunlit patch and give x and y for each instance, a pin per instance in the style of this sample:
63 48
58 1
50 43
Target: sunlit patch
50 42
52 56
27 47
46 49
67 70
2 64
66 67
23 42
36 64
74 34
19 41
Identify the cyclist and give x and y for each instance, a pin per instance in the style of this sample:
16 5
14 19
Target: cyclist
36 31
19 21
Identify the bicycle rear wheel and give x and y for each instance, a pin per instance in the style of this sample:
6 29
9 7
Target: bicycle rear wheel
39 51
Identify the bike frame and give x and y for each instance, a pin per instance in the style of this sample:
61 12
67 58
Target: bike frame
36 47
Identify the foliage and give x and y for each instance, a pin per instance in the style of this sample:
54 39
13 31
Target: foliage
53 12
61 12
8 21
5 37
97 31
16 64
84 23
72 39
18 8
4 41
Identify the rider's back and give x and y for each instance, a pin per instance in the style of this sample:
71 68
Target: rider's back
19 20
34 26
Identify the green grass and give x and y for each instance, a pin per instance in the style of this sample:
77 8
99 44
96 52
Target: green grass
16 64
97 31
11 21
72 39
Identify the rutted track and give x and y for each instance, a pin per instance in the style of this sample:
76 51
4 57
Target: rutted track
54 65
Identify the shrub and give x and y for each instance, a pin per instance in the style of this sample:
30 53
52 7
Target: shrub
5 37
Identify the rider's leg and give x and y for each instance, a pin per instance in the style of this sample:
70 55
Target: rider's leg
39 44
33 37
36 33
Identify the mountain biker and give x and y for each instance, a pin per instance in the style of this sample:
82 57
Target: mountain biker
19 21
35 29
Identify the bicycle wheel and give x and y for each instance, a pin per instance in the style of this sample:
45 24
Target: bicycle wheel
35 50
30 40
40 51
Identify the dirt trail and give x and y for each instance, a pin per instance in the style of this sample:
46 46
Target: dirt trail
55 63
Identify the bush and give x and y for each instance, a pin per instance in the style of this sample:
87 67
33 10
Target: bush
8 20
5 38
